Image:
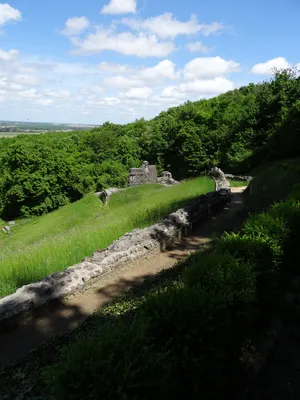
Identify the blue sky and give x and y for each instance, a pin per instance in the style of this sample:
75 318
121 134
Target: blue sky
118 60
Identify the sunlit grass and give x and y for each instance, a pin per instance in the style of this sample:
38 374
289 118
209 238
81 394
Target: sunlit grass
50 243
234 183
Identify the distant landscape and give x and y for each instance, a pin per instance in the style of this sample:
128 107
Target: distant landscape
15 128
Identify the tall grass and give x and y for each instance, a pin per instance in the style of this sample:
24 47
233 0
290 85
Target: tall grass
51 243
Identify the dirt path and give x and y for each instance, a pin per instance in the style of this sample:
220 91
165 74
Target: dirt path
68 315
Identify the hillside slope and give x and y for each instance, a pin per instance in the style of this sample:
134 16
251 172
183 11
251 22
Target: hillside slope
42 245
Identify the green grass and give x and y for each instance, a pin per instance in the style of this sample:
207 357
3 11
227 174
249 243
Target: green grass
234 183
43 245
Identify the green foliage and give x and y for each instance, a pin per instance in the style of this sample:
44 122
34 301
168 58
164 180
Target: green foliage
111 174
237 130
272 183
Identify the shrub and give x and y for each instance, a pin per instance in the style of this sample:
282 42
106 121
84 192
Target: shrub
120 364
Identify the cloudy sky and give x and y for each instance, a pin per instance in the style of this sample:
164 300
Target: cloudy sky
117 60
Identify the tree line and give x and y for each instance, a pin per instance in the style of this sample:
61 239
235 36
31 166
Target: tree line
236 131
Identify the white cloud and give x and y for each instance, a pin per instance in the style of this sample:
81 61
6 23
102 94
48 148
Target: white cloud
208 67
59 94
26 79
119 7
8 55
122 82
8 85
138 93
92 89
75 26
44 102
165 69
28 94
105 101
113 67
167 26
141 45
268 67
207 87
197 47
8 13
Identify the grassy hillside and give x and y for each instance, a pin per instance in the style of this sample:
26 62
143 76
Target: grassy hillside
42 245
272 182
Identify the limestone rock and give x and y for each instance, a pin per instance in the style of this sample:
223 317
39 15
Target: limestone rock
105 195
239 177
167 179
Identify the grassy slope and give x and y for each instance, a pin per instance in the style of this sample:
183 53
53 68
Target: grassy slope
57 240
272 182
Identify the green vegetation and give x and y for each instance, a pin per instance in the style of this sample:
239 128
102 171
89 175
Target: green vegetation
234 183
42 245
272 183
194 333
237 131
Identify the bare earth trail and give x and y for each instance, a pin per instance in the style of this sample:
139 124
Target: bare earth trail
67 315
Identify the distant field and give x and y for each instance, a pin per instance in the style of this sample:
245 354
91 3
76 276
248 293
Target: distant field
50 243
9 134
13 134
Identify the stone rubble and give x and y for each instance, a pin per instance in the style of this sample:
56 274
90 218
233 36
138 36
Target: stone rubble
130 248
167 179
106 194
6 229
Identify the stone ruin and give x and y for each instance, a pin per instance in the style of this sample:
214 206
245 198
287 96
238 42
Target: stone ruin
148 174
166 179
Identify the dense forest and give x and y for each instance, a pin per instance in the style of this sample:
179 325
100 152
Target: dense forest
236 131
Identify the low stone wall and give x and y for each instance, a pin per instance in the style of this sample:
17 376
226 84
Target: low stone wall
239 178
106 194
220 178
129 249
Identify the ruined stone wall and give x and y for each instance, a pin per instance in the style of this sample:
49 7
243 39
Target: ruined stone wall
146 174
239 178
128 250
